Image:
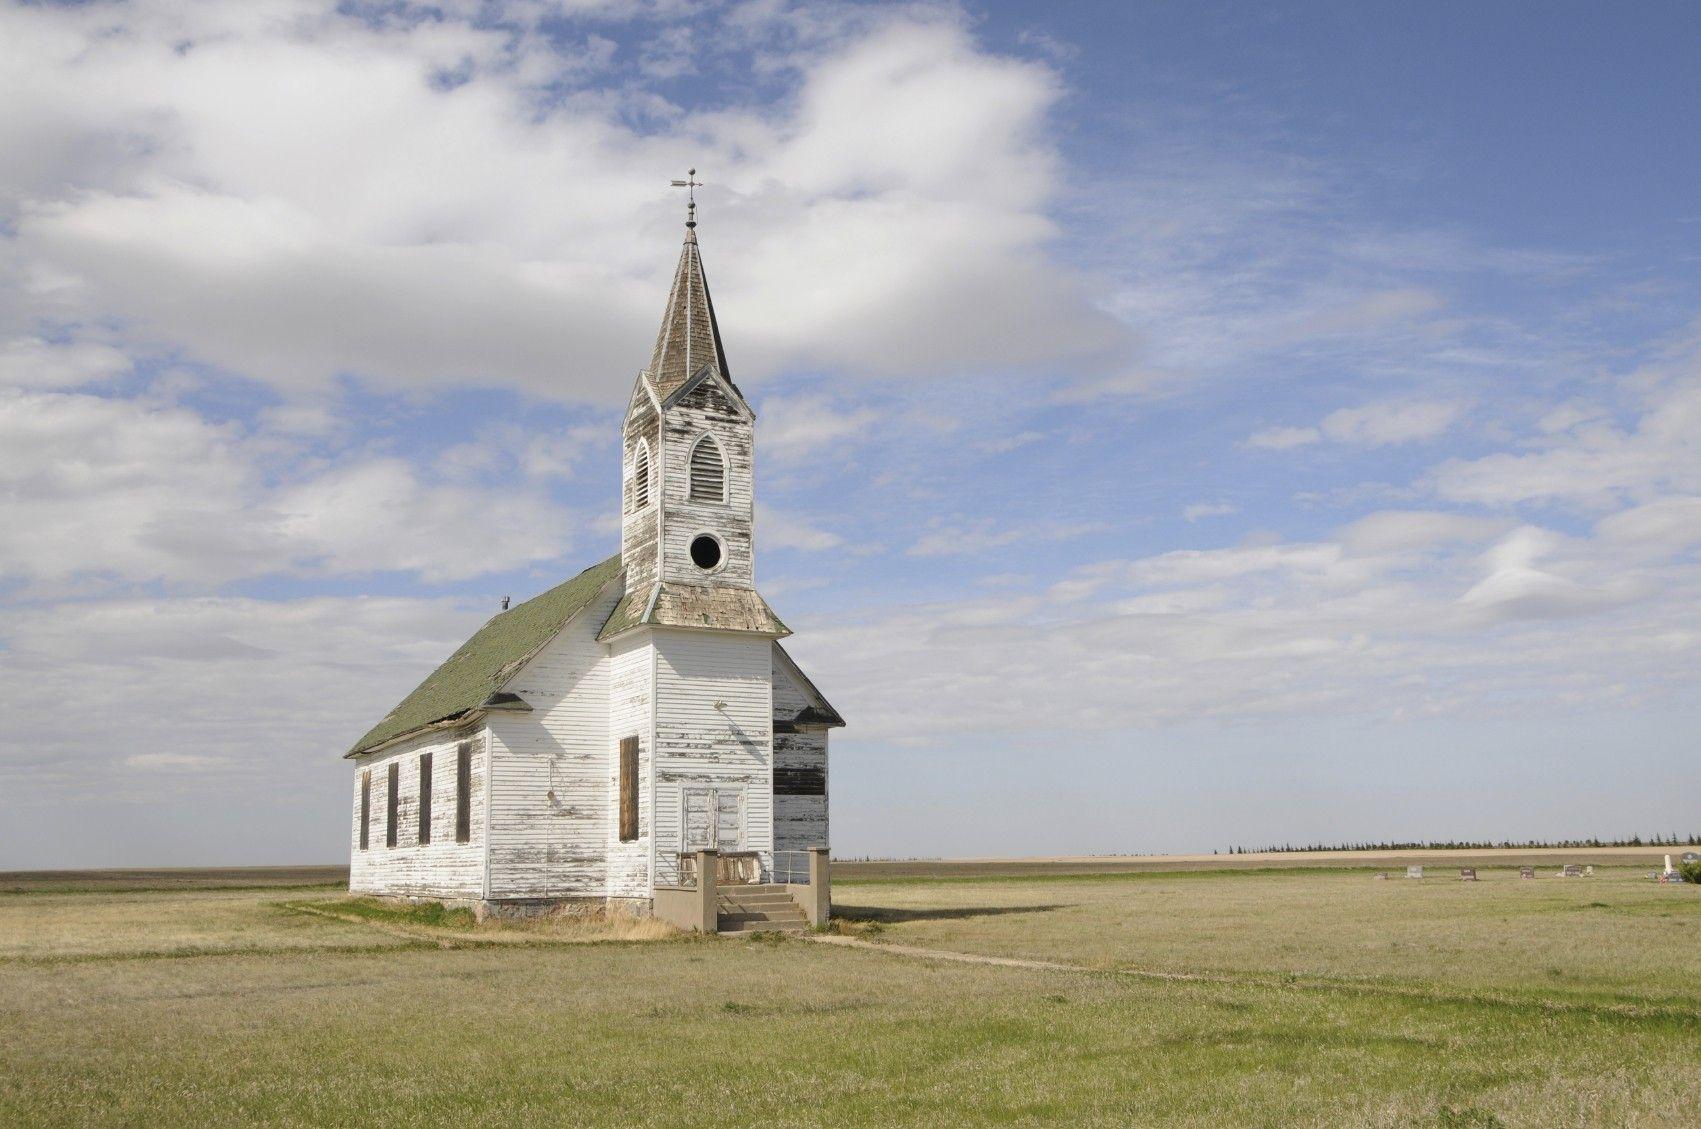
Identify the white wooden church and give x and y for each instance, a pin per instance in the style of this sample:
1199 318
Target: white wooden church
604 743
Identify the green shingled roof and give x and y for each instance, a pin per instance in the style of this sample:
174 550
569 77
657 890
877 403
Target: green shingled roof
468 678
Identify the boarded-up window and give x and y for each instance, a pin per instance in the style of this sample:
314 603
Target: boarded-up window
641 476
365 808
800 782
424 798
394 802
628 789
708 472
463 792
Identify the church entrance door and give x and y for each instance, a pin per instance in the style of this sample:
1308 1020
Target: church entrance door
714 819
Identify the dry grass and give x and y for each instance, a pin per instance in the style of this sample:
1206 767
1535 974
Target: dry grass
1614 935
434 922
885 870
198 878
284 1029
166 924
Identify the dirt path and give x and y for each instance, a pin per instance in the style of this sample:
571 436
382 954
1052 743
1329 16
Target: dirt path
1658 1012
920 953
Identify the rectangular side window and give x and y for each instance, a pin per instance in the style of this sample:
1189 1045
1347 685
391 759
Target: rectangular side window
424 799
628 789
365 807
395 797
463 792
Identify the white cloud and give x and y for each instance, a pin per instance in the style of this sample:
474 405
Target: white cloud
168 686
1378 425
945 538
1372 311
30 362
113 488
811 426
1594 462
1516 588
1356 627
788 531
285 192
1396 531
1673 522
173 761
1201 510
1373 425
1284 438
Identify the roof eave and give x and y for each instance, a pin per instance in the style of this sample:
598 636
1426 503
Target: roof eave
453 721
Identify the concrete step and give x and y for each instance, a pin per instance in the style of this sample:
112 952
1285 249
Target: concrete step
763 900
756 915
798 926
752 892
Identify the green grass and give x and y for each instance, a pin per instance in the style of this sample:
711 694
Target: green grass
433 915
1333 1000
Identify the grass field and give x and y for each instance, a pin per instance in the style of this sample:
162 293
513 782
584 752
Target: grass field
1311 998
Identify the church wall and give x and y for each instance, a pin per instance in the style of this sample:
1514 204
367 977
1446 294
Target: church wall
696 743
542 847
708 409
800 763
441 869
631 689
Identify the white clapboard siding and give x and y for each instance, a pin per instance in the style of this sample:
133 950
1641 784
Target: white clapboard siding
441 869
698 742
631 672
708 410
541 845
800 822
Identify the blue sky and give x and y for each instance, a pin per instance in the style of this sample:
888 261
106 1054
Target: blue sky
1180 425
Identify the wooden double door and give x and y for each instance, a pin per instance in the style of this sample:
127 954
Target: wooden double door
714 817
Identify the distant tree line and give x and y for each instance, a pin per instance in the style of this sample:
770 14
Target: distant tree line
1672 840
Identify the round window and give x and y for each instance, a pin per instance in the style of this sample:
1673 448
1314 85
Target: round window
705 552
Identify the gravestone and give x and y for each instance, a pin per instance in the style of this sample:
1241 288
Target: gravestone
1414 872
1380 877
1526 872
1588 872
1572 870
1467 874
1691 856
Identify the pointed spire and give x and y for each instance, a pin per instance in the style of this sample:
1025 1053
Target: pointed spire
689 337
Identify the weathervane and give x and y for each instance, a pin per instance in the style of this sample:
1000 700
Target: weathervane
690 184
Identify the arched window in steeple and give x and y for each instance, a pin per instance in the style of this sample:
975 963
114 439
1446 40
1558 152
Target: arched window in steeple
640 476
708 471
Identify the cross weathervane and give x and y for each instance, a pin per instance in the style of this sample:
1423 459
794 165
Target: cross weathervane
690 184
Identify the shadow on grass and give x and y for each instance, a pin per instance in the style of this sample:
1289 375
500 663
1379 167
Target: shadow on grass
885 915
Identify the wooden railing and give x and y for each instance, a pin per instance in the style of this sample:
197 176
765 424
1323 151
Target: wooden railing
732 868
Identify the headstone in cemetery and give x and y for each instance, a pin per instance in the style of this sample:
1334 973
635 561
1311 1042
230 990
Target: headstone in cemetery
1572 870
1588 872
1526 872
1669 867
1381 877
1467 874
1691 856
1414 872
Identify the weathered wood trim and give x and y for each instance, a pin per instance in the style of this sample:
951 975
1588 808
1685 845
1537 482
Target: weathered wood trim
489 782
454 721
830 716
655 755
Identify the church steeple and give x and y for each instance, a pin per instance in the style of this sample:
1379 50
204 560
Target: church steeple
687 531
690 338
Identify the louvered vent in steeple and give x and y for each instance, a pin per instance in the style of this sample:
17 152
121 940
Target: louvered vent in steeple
708 472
